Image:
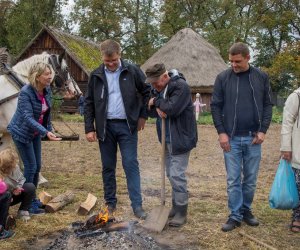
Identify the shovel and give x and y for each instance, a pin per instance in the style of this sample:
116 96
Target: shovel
158 217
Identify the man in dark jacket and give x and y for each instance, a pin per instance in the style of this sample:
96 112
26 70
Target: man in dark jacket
242 110
116 100
171 100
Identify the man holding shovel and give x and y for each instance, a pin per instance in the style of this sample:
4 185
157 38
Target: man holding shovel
171 100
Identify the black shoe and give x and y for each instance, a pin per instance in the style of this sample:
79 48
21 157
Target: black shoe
230 225
249 219
139 213
180 217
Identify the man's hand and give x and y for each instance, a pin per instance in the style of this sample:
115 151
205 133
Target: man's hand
141 124
287 155
91 136
161 113
53 137
151 103
224 142
259 138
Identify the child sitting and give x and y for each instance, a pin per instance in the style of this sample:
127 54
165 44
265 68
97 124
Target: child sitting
21 192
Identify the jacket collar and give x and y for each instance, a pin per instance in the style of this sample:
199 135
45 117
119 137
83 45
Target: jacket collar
100 71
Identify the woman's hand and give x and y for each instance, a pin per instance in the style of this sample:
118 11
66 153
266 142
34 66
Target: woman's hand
52 137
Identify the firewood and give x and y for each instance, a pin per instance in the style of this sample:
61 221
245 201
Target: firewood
256 240
87 205
59 202
45 197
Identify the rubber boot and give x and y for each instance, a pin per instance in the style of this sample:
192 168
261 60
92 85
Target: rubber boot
173 210
180 216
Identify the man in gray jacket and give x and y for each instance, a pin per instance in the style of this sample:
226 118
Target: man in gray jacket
171 99
242 110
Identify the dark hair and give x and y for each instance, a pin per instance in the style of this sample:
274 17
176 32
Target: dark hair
239 48
109 47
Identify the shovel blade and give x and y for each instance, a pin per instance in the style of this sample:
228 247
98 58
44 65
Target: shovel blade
157 219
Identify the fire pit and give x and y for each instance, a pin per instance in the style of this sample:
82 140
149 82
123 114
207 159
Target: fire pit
102 232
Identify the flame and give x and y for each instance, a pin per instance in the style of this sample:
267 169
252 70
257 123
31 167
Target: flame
102 217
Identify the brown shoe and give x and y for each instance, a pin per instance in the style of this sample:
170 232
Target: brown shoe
10 223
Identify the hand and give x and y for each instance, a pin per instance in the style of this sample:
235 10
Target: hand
141 124
17 191
224 142
91 136
52 137
161 113
259 138
151 103
287 155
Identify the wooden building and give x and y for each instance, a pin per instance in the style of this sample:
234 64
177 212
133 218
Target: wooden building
198 60
82 56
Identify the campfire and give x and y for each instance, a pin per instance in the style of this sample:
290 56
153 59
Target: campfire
99 220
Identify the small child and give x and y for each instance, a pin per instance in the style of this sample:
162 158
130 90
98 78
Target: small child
20 191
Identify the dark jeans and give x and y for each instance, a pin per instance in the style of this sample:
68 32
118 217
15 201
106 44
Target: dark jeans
4 207
25 197
31 156
118 133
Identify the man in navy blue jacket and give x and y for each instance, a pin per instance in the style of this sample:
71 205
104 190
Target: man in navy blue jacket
242 110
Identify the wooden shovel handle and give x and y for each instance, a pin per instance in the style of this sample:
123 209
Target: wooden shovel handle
163 160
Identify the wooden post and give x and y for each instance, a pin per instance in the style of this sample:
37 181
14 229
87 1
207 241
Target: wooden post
45 197
87 205
59 202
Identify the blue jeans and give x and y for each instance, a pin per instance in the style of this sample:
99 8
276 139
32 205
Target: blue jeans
242 165
176 166
30 154
118 133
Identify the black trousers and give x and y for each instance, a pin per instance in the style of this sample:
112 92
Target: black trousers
4 206
25 197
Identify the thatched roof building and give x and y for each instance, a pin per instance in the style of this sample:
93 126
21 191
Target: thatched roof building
198 60
82 56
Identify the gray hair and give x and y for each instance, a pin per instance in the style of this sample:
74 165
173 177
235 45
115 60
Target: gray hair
239 48
37 70
109 47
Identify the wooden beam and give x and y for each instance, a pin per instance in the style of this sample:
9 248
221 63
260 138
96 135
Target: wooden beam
59 202
87 205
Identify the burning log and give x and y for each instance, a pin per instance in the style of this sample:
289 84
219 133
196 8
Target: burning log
88 205
45 197
59 202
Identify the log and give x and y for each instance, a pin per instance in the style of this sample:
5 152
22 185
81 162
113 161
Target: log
87 205
45 197
59 202
256 240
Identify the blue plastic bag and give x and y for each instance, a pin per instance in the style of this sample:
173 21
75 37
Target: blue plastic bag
284 193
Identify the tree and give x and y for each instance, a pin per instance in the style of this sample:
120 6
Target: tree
26 18
5 8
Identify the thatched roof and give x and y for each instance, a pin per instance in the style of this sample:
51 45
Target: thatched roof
188 52
85 53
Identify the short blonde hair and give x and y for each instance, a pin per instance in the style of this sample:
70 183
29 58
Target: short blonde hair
37 70
8 162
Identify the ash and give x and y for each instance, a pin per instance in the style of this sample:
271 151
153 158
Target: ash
106 240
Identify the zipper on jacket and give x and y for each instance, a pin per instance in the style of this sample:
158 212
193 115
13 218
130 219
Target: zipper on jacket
236 101
164 97
102 93
255 102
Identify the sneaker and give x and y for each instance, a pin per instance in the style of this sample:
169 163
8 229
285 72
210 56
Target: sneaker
249 219
38 203
23 215
230 225
5 234
139 213
35 210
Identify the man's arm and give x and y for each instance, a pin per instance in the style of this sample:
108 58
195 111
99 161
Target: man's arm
89 108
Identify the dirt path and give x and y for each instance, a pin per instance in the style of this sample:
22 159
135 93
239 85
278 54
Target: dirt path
77 165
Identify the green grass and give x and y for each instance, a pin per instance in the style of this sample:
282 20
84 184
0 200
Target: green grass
205 118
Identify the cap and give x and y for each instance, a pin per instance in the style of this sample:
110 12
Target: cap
154 72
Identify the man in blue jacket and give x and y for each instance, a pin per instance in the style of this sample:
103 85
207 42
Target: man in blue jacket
171 99
242 110
115 110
